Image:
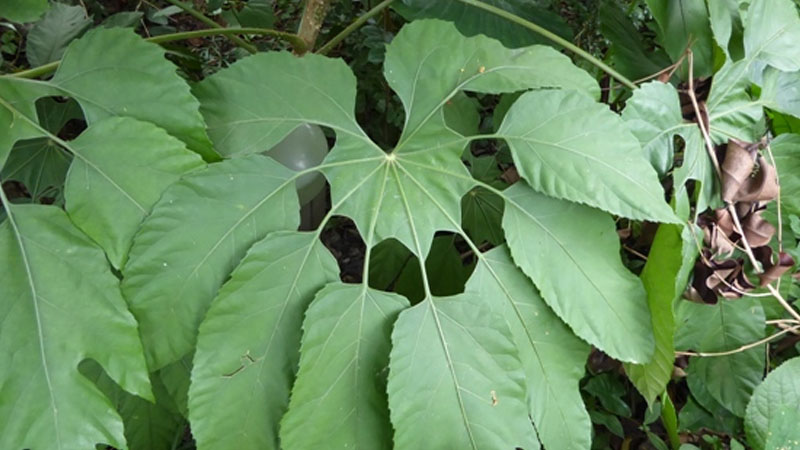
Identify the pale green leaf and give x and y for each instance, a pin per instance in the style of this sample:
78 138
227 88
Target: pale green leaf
781 91
248 344
472 21
49 37
732 111
772 31
664 277
583 279
783 433
780 390
344 355
552 357
61 305
786 150
653 115
568 146
730 379
456 380
23 10
196 234
145 85
121 167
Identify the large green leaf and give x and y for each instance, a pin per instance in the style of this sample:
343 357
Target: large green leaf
681 22
772 30
552 357
196 234
653 115
455 378
664 276
121 168
732 111
49 37
581 151
786 150
781 91
61 305
472 21
730 379
23 10
413 173
345 352
247 349
409 195
583 279
780 390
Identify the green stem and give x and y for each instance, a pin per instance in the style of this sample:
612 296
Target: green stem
202 18
292 38
553 37
353 26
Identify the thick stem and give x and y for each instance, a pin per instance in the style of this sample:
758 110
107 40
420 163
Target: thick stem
313 16
553 37
353 26
292 38
202 18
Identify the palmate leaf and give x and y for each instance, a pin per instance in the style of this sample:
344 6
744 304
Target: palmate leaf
409 195
777 396
61 305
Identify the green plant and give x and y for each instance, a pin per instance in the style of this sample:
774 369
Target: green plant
171 256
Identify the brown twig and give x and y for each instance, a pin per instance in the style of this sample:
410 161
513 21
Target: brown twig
743 347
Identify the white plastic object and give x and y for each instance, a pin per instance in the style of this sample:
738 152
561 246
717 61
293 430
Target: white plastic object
304 147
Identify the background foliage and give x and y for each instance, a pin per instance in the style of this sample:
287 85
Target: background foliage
559 224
